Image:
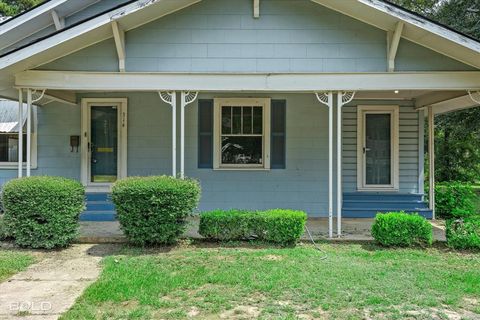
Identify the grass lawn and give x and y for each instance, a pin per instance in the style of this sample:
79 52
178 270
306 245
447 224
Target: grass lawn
12 262
206 281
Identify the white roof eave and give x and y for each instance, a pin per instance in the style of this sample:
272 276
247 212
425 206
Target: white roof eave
417 29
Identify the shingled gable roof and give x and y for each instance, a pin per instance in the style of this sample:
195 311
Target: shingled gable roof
378 13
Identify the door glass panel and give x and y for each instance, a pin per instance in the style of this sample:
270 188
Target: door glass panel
104 144
378 149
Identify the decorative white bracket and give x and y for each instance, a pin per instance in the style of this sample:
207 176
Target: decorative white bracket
393 40
256 9
119 37
471 95
57 20
347 96
37 96
170 97
325 98
167 96
188 97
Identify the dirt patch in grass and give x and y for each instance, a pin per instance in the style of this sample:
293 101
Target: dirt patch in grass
272 257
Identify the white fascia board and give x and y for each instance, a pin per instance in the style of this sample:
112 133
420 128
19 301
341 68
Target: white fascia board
455 104
308 82
96 23
432 98
44 8
422 23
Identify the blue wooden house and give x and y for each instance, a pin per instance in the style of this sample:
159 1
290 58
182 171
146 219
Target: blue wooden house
317 105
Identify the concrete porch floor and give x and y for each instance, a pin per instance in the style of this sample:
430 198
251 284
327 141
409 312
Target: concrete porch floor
353 230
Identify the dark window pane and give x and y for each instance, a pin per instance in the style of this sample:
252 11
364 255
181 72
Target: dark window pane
237 120
9 147
247 120
226 120
242 150
257 120
378 152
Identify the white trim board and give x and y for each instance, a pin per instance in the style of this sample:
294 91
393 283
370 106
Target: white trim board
394 111
122 104
252 82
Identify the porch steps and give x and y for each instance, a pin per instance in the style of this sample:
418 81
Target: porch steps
99 208
367 205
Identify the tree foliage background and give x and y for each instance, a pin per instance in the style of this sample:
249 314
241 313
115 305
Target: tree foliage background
457 136
13 7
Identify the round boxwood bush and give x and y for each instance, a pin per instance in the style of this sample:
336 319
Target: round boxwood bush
153 210
43 212
400 229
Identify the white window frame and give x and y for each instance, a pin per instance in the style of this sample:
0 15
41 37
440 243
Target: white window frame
394 111
217 132
34 145
122 107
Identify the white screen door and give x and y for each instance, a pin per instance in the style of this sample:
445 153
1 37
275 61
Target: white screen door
104 140
377 147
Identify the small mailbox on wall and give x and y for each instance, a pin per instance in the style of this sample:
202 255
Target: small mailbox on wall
74 143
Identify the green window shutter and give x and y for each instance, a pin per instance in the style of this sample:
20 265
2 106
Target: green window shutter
205 133
278 114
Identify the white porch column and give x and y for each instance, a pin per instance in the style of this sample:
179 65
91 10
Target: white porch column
170 98
29 131
326 98
187 98
431 158
20 133
342 99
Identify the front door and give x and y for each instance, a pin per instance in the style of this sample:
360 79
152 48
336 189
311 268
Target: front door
104 141
378 148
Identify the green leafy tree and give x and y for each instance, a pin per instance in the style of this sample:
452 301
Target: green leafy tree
10 8
462 15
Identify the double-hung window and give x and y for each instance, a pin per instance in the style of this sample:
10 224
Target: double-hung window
242 133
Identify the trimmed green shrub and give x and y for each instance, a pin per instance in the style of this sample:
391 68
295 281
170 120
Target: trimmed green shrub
280 226
4 231
153 210
226 225
454 200
402 229
43 212
464 233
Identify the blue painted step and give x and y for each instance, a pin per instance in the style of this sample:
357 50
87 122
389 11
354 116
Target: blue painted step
99 207
388 204
384 196
368 204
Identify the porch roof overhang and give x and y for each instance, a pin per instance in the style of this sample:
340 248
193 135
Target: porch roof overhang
247 82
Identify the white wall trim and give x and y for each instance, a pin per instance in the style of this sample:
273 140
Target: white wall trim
122 105
394 111
421 151
253 82
265 103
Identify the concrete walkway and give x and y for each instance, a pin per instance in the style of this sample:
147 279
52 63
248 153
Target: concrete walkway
49 288
352 229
